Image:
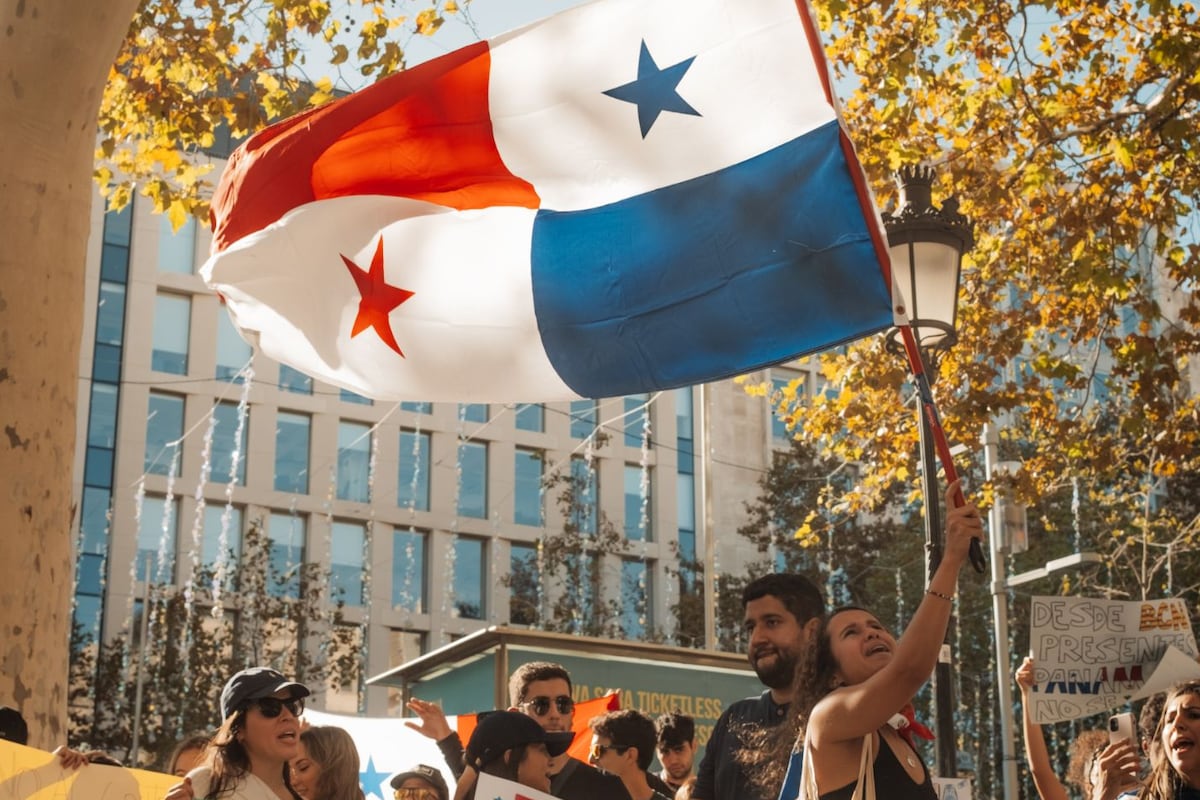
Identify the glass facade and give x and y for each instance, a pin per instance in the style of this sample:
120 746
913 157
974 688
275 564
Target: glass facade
530 417
222 541
412 491
228 447
585 483
157 540
469 573
294 381
292 434
172 322
177 248
527 487
233 352
409 565
524 579
353 461
635 590
636 419
637 503
286 533
164 427
472 493
346 549
473 412
583 418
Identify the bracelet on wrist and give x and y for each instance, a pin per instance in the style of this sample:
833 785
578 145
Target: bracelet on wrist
947 597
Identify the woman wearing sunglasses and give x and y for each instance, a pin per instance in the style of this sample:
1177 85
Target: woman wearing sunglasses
248 756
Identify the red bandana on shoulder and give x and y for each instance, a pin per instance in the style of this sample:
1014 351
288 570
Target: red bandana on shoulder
907 726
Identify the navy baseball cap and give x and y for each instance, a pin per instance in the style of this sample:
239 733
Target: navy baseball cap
253 683
499 731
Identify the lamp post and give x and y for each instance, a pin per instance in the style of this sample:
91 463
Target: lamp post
1002 543
926 245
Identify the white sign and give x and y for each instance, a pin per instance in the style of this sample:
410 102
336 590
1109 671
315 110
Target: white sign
1093 655
490 787
953 788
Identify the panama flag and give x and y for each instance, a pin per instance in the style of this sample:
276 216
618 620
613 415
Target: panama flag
631 195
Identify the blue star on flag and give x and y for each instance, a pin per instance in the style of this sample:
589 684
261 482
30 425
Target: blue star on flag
654 91
372 780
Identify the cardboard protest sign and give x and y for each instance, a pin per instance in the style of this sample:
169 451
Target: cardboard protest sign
30 774
1093 655
494 788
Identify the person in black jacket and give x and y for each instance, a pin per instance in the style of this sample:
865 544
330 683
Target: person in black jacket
540 690
783 613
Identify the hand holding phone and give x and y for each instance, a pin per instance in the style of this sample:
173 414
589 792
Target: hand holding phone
1120 728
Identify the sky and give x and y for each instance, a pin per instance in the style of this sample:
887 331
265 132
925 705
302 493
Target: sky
480 19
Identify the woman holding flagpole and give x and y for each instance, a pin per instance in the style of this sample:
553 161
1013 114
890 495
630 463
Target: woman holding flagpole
854 690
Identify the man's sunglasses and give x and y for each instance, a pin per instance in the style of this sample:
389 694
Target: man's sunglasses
540 706
598 750
414 793
272 707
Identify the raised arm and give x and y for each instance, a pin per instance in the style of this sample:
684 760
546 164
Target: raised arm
852 711
1048 786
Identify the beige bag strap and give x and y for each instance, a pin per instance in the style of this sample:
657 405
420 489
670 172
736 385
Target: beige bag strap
863 790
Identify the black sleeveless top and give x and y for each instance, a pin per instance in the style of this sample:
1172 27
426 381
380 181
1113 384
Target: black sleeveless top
891 780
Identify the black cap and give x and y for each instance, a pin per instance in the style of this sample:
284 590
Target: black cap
427 774
253 683
12 726
498 731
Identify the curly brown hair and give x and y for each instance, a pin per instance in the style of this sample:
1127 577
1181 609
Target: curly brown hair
1084 751
765 752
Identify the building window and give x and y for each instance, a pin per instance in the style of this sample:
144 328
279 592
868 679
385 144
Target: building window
286 534
233 352
347 540
638 506
348 396
527 487
164 427
583 418
473 412
636 609
343 692
685 515
403 646
294 381
636 419
114 254
683 431
416 408
786 388
157 539
408 570
585 493
523 581
412 491
472 490
223 542
469 575
353 461
292 432
177 248
93 520
228 450
102 416
531 417
110 314
172 320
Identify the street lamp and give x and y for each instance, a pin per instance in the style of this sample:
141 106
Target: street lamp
1002 544
926 246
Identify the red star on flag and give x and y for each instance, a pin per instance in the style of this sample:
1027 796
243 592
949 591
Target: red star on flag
378 299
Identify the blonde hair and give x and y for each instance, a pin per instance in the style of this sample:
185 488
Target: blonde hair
335 752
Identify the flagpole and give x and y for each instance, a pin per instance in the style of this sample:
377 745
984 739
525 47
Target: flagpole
705 518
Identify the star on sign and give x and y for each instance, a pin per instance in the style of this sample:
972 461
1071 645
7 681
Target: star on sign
654 91
378 299
372 780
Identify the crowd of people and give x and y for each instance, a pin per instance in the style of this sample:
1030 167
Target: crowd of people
835 722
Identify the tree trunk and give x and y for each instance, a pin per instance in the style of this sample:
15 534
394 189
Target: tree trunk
54 61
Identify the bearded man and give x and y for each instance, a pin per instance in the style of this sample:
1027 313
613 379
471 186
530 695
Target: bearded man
782 614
